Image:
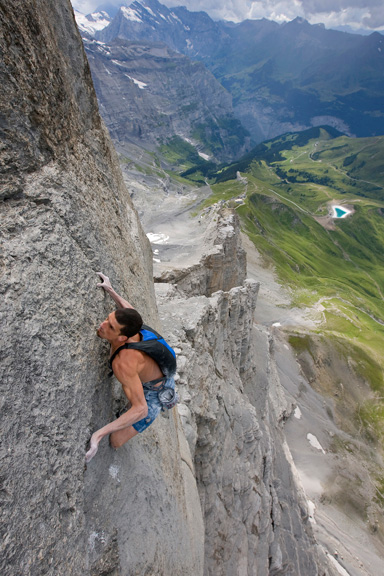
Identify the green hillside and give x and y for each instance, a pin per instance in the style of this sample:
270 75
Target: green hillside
284 192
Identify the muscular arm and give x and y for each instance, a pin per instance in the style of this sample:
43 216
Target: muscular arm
125 368
106 284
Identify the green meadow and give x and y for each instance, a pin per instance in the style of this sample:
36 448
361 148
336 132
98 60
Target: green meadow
284 199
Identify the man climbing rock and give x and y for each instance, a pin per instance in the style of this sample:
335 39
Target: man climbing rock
145 366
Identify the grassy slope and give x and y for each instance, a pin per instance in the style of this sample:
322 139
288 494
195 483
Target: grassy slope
342 269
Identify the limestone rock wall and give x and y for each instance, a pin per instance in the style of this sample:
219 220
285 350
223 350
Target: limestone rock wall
149 93
66 214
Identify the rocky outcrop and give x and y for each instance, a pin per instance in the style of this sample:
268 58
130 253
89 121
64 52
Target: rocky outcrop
222 266
66 214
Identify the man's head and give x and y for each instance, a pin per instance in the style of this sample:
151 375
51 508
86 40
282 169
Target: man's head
129 320
120 325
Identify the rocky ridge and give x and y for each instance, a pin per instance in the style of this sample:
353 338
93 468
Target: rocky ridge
232 408
222 267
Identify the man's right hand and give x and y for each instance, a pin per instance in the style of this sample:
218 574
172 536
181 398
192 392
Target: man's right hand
106 284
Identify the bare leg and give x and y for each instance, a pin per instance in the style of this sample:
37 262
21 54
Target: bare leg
120 437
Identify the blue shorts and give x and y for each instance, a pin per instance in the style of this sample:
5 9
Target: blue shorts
154 406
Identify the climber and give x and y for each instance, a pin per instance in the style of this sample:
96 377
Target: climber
145 366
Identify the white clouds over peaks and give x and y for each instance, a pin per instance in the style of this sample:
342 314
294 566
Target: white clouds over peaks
355 13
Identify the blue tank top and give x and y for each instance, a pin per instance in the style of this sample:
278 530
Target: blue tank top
153 344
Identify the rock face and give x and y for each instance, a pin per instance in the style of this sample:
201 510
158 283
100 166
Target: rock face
208 491
66 214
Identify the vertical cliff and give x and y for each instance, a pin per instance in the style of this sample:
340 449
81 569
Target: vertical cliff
65 214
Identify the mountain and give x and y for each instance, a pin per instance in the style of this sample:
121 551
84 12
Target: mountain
91 23
110 8
149 94
282 78
194 34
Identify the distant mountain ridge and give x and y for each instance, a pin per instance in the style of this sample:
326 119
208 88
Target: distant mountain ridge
282 78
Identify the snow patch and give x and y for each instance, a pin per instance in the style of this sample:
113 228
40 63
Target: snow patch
311 511
93 22
130 14
297 413
147 8
157 238
104 50
204 156
175 17
141 85
315 443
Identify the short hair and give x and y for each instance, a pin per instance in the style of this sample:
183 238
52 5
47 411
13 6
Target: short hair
130 320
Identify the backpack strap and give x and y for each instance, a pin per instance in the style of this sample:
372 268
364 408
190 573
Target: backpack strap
116 353
142 345
123 347
114 356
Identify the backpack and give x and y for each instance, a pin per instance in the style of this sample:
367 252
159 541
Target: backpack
153 344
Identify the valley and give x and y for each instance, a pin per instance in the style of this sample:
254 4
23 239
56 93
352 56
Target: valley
331 266
327 358
285 193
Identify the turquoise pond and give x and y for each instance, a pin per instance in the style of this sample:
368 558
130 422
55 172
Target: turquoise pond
339 212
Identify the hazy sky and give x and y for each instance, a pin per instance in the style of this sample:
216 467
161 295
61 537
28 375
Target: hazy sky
367 14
